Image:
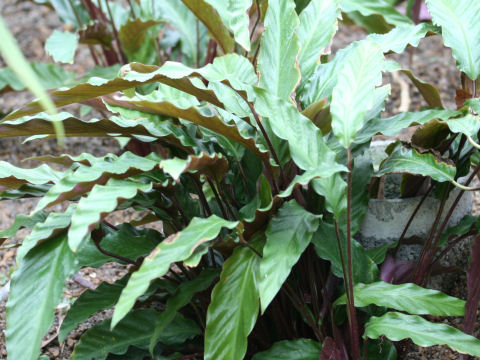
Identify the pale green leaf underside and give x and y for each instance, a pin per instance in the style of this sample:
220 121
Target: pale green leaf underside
375 7
61 46
410 298
468 125
460 31
177 247
397 326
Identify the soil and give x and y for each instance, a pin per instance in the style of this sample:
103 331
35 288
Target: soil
31 25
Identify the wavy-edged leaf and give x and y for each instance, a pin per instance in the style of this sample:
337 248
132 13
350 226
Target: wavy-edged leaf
298 349
318 24
214 166
23 221
176 247
50 76
51 226
375 7
326 247
102 200
44 271
181 298
132 34
468 124
279 47
233 310
24 191
409 160
13 177
397 326
61 45
134 330
354 93
208 13
410 298
288 235
400 37
83 179
393 125
234 16
90 302
460 31
305 140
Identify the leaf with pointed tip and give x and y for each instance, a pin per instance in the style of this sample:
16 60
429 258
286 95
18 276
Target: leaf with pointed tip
429 92
354 93
393 125
401 36
176 247
62 46
468 124
410 298
90 302
13 177
214 166
83 179
233 310
397 326
51 226
326 247
44 269
208 14
466 224
102 200
181 298
298 349
288 235
134 330
50 76
375 7
234 16
279 47
411 161
460 31
23 221
318 24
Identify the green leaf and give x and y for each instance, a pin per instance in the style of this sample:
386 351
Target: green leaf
467 223
181 298
374 7
208 14
410 298
299 349
133 34
326 247
288 235
429 92
23 221
460 31
400 37
84 178
50 76
134 330
234 14
44 269
51 226
279 47
409 160
468 125
102 200
176 247
90 302
393 125
13 177
318 24
354 93
214 166
233 310
62 46
396 327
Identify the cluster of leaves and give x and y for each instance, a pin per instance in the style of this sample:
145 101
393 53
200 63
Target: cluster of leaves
256 168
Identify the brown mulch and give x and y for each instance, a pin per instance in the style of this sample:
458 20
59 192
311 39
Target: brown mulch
31 24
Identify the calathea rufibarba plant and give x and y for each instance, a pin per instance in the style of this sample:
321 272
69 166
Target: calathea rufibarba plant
256 166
